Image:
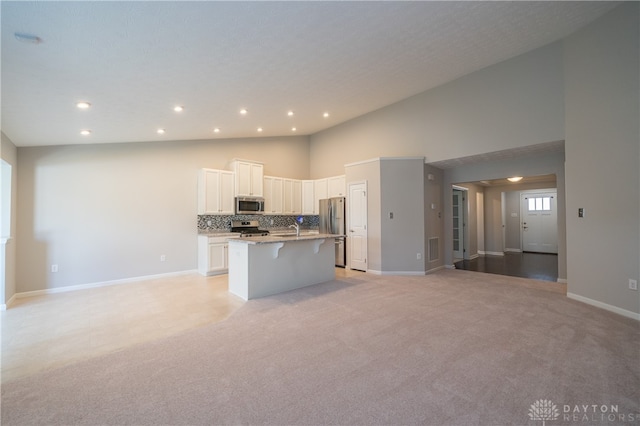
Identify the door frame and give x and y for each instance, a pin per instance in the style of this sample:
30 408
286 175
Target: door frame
465 216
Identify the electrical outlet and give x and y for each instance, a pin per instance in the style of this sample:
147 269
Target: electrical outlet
418 256
163 258
54 268
390 215
633 284
208 223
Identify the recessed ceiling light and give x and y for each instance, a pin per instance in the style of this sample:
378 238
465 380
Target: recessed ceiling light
259 129
515 179
290 113
216 130
244 111
85 132
325 115
83 105
178 108
293 129
161 131
28 38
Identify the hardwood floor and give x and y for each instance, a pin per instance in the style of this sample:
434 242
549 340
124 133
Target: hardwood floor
539 266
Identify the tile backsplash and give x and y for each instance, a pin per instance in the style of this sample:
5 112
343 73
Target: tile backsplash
211 223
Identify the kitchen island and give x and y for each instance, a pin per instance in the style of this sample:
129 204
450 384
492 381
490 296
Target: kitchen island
263 266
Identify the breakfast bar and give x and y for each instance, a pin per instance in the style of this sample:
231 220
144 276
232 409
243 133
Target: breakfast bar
263 266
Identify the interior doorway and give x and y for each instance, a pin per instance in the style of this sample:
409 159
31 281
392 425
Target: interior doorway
459 215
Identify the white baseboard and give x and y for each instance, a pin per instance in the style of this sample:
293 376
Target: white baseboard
494 253
100 284
562 280
605 306
512 250
474 256
7 305
437 268
450 266
395 272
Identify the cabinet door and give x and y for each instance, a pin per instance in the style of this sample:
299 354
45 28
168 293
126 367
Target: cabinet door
307 196
218 257
287 205
256 180
276 196
226 193
336 186
243 178
267 191
296 197
208 199
319 193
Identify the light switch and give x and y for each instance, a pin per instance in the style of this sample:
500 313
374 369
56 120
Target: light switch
390 215
581 212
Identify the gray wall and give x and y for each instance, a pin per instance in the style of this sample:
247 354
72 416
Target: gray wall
9 153
433 218
107 212
515 103
402 192
602 151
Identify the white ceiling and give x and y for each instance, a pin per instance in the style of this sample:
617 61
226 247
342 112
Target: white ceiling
134 61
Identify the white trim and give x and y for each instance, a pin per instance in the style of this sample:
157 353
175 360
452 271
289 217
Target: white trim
605 306
5 240
101 284
373 160
395 272
512 250
436 269
562 280
7 305
494 253
450 266
474 256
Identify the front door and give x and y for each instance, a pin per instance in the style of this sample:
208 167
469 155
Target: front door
357 235
539 221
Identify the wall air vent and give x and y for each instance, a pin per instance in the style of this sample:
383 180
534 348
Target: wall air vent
434 249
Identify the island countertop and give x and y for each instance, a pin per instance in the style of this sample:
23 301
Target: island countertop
270 239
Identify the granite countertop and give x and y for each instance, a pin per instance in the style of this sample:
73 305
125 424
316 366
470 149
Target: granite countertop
218 234
270 239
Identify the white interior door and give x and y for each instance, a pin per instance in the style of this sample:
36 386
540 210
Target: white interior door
458 224
539 221
357 235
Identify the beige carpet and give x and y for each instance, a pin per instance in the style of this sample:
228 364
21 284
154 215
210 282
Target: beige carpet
452 348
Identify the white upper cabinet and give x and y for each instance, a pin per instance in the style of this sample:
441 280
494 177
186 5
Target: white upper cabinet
292 189
249 178
320 192
215 192
272 195
336 186
308 199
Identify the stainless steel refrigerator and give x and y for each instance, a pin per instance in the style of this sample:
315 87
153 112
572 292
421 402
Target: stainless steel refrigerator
332 221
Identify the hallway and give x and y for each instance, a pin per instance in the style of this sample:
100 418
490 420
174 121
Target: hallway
539 266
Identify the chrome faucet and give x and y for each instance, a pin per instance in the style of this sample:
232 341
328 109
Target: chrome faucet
297 226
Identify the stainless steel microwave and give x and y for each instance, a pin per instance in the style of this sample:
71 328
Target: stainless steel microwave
249 205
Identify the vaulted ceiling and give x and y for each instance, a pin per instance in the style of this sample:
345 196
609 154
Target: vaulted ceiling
287 63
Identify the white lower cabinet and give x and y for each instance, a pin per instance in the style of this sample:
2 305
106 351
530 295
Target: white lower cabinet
213 256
